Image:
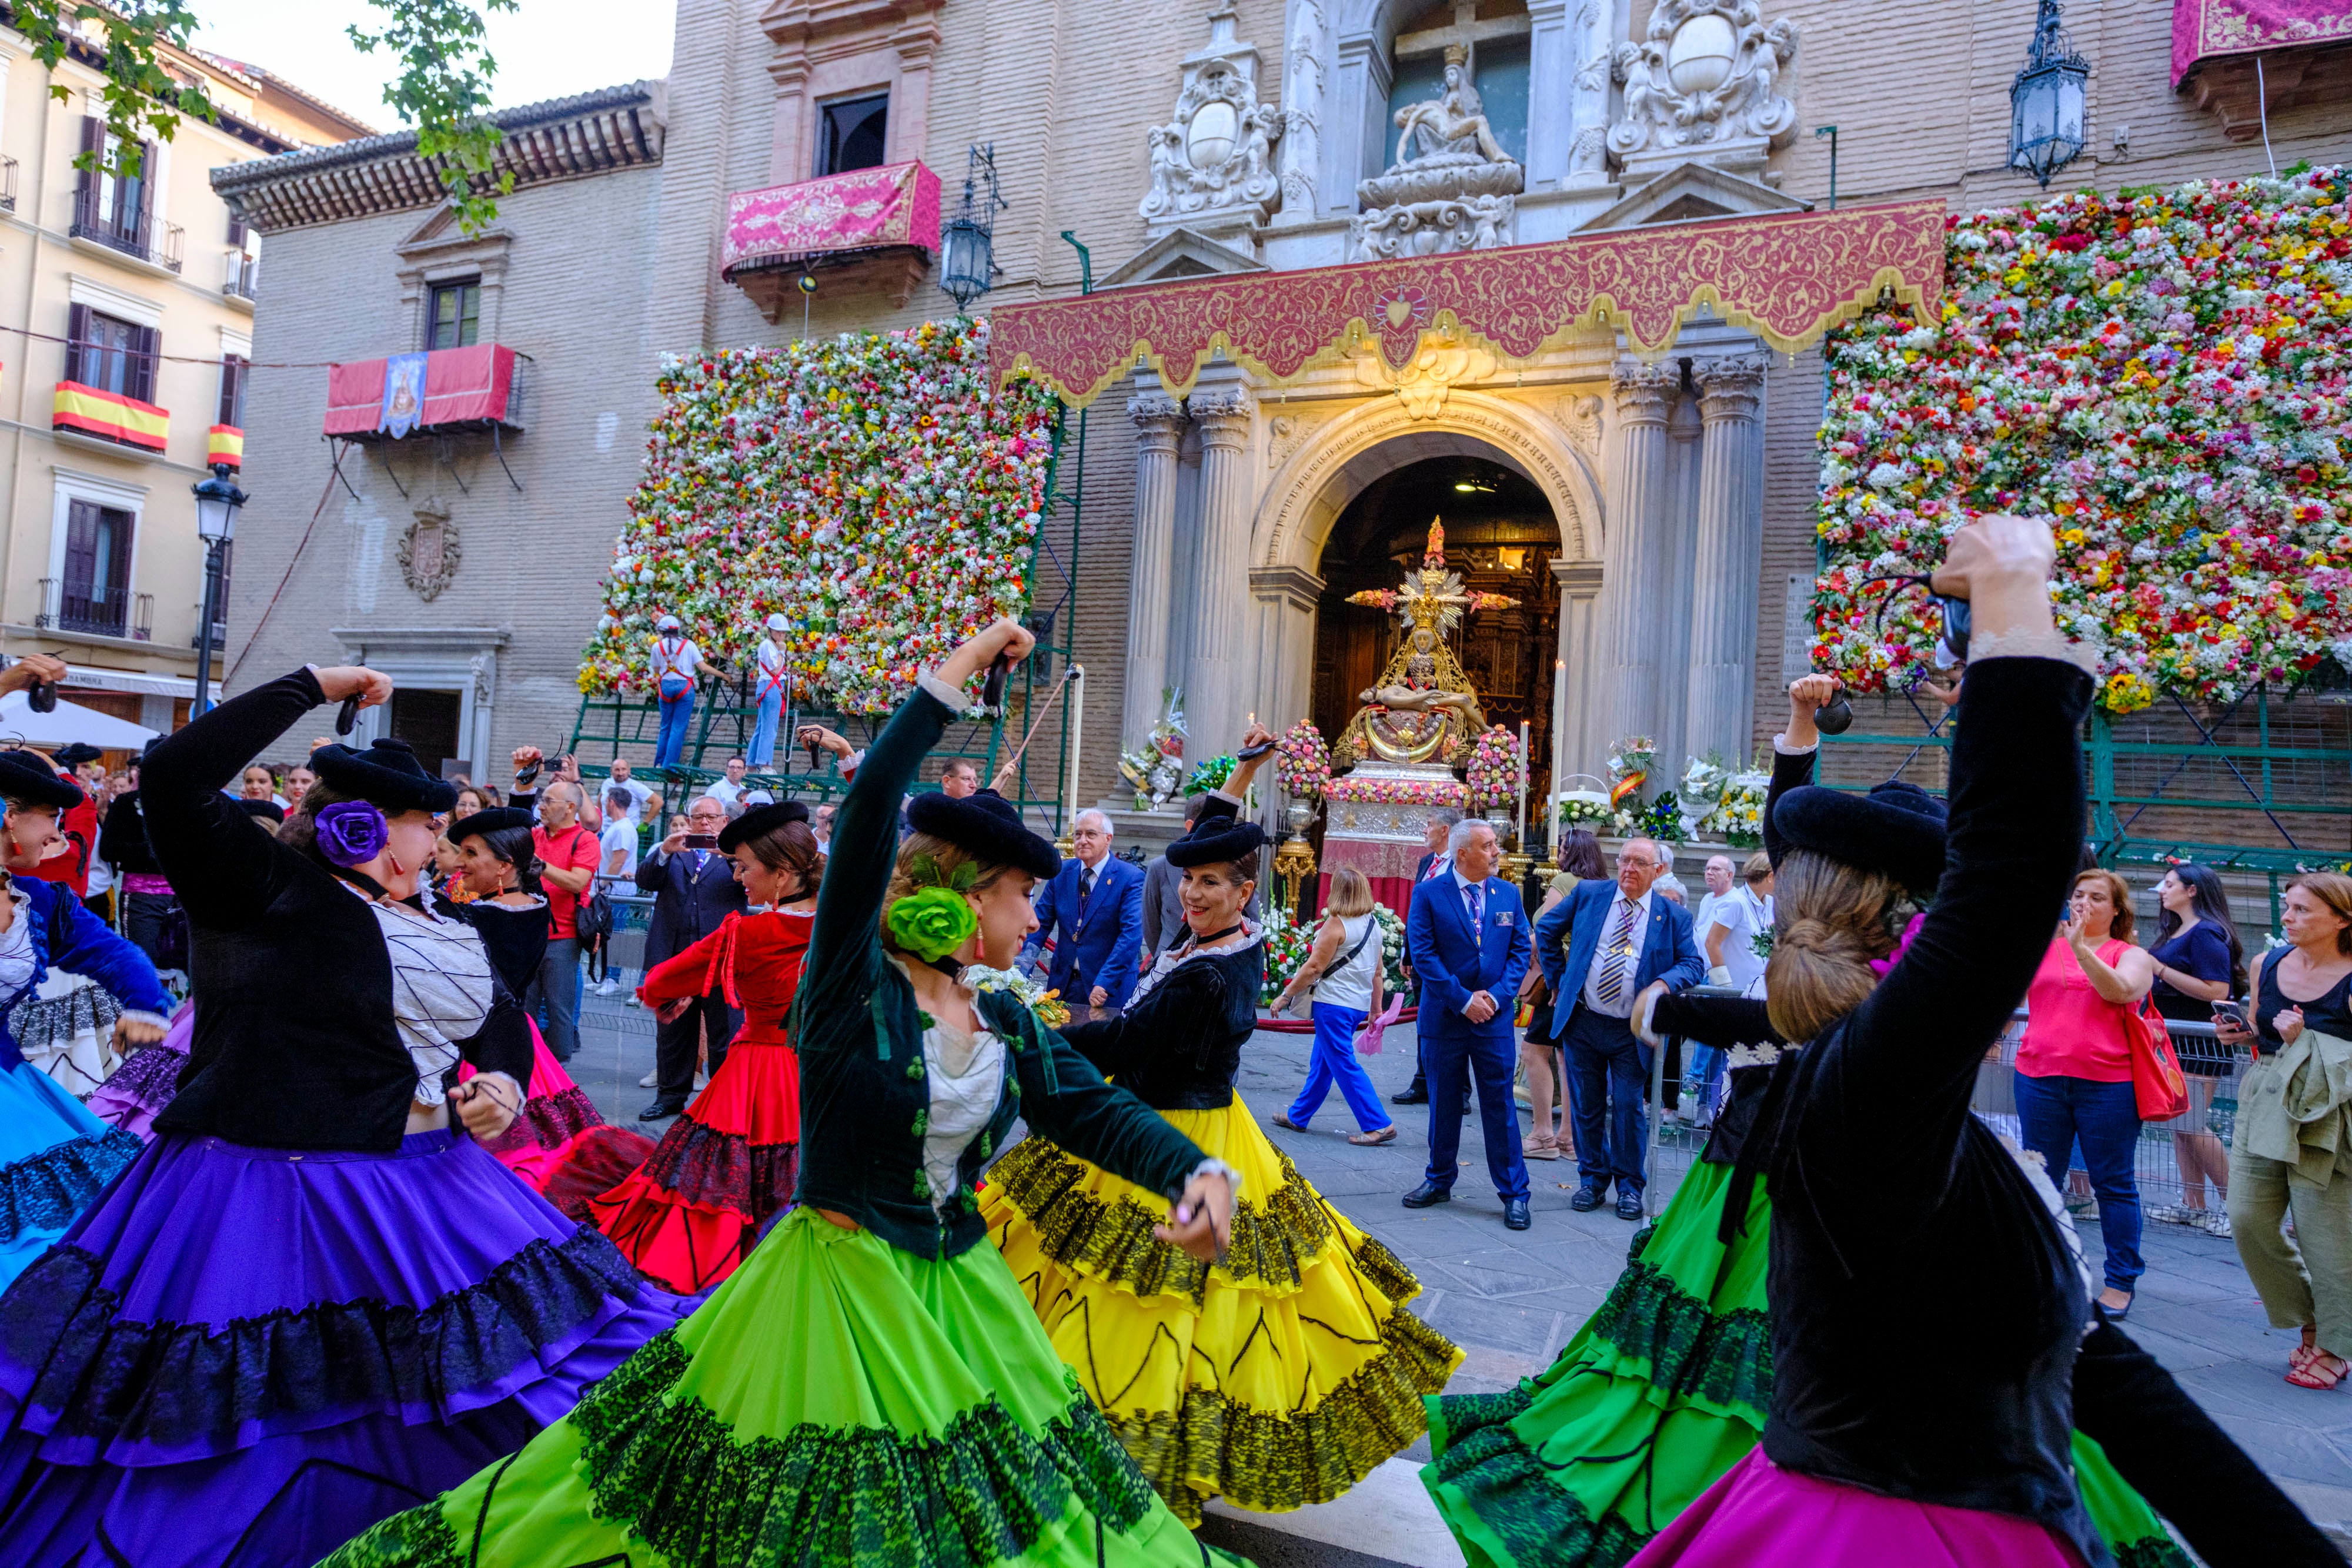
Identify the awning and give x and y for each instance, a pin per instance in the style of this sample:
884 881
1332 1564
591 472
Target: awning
67 723
1787 276
111 415
405 392
897 204
2209 29
133 683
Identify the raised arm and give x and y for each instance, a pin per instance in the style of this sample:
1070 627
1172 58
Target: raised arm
1794 750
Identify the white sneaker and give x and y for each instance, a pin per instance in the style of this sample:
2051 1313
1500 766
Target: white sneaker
631 1001
2216 1222
651 1080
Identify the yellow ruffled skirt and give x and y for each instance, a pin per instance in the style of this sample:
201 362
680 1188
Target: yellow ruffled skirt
1277 1377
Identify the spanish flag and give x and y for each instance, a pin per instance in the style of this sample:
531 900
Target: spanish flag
227 445
111 415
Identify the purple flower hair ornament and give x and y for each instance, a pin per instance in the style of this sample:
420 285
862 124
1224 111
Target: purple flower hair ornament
350 832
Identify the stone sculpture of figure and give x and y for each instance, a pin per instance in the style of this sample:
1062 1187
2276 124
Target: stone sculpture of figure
1169 170
1263 125
1452 125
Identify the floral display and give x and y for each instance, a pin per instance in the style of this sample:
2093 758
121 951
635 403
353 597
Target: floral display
1629 767
2162 372
1391 948
1397 791
873 487
1662 819
1737 817
1589 809
1048 1006
1494 775
1702 781
1302 763
1211 773
1288 945
1156 768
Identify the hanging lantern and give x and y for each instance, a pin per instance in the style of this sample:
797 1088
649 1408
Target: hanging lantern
2046 101
968 266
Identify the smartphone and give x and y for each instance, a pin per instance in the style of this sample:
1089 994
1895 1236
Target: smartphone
2235 1012
702 840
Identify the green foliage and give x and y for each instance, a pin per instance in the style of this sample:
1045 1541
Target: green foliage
444 91
143 97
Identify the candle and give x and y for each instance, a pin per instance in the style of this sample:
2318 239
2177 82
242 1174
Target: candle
1559 729
1523 786
1076 699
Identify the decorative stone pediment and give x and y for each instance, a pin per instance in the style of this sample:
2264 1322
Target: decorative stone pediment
1212 166
1702 81
1180 253
1692 192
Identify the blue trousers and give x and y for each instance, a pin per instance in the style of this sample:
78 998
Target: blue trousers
1706 1077
676 715
1608 1074
1452 1060
763 736
2053 1114
1335 1062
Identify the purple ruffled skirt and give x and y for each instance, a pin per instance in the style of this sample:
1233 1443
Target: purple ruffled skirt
135 1094
242 1355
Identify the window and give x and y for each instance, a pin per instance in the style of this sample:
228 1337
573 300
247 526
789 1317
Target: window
110 200
428 721
235 368
236 231
453 317
97 569
112 355
220 604
852 134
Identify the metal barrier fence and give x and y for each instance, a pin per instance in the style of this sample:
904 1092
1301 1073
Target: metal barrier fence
2212 1070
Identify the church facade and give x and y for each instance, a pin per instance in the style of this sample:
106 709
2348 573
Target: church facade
1649 513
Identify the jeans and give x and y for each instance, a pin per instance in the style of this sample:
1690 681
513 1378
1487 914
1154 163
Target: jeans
1608 1076
554 996
1706 1077
676 714
1453 1061
1334 1061
2304 1279
763 736
2055 1112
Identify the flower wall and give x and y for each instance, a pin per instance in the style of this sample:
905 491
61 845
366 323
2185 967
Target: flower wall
872 487
2164 372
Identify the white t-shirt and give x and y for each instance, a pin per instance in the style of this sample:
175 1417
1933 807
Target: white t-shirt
672 656
1741 914
638 796
772 671
1703 918
621 835
725 793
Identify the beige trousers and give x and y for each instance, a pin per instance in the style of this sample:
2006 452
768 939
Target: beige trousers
2305 1278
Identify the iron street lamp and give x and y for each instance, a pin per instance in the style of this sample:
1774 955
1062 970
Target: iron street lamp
968 266
218 501
2046 100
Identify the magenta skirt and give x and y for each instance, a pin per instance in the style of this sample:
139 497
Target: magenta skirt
1761 1516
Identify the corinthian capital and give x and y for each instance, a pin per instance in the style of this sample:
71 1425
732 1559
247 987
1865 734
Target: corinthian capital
1730 387
1159 421
1644 392
1224 414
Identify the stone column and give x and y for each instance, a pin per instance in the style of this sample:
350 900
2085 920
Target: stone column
1573 746
1551 122
1626 669
1723 579
1302 114
1281 683
1158 428
1215 686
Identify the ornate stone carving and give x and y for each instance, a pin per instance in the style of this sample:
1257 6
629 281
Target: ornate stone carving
1158 420
1644 392
1224 415
478 668
1702 81
1580 414
1212 166
1451 188
1443 360
1729 388
1285 433
1302 110
428 552
1587 150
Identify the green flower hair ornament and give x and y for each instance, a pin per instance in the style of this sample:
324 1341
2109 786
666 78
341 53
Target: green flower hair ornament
935 920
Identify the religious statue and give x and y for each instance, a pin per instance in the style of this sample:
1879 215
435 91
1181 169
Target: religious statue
1422 709
1453 187
1451 127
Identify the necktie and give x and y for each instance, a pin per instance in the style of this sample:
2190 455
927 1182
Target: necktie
1612 984
1477 893
701 859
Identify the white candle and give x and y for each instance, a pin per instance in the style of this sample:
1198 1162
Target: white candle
1077 700
1559 729
1523 786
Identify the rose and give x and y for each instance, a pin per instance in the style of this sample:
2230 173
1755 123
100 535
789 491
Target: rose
350 833
932 923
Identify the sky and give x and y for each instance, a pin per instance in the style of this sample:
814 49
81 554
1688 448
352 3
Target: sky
545 49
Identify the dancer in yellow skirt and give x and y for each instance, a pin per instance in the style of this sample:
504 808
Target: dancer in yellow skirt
1284 1372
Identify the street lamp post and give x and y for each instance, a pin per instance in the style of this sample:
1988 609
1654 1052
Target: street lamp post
218 501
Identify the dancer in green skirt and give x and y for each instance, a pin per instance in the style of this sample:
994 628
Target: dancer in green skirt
871 1389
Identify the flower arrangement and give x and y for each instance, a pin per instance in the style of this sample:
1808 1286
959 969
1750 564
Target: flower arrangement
1662 819
1287 946
1048 1006
1737 814
1589 809
1211 773
874 487
1495 776
1391 948
1397 791
1703 780
2161 372
1302 763
1156 768
1629 767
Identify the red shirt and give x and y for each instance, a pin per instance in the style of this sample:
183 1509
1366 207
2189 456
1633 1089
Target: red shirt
573 849
2071 1031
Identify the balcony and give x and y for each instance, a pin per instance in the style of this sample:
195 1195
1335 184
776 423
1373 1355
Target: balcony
99 415
241 274
872 229
131 236
434 393
2237 61
82 610
8 184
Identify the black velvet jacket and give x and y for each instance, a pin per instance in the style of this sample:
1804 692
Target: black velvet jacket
123 838
516 939
295 1046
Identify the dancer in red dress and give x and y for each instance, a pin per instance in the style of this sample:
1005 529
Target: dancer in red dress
726 1166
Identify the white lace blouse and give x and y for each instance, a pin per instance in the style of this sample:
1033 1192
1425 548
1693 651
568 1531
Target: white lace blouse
960 1105
441 991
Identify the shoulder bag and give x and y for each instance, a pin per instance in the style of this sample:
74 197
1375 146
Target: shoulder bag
2158 1087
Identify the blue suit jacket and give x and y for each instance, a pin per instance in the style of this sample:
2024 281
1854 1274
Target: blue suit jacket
1668 951
1451 961
1104 948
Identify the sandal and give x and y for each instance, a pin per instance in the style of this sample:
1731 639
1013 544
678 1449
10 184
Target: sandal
2315 1374
1371 1140
1288 1126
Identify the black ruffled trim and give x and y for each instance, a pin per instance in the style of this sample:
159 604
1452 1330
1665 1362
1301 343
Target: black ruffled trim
1540 1521
48 1190
173 1383
150 1077
704 1164
547 1120
419 1537
36 1025
2151 1551
983 1491
1275 1242
1724 1358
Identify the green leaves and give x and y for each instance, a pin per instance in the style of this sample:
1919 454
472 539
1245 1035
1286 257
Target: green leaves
444 90
143 97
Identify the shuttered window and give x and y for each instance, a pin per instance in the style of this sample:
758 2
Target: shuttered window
97 569
111 354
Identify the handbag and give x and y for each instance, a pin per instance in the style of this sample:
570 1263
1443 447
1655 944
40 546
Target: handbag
2159 1088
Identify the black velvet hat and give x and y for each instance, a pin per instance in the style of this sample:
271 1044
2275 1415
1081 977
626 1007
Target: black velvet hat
386 775
26 776
1897 829
984 825
1218 838
269 811
74 754
759 819
490 820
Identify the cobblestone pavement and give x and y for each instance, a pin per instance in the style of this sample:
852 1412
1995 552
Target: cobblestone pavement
1511 1300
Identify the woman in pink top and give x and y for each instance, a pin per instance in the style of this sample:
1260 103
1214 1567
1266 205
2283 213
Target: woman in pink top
2074 1067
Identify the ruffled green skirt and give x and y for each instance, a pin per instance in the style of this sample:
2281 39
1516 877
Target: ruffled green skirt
1662 1391
836 1401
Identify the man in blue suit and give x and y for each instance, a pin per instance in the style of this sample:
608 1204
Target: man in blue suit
1600 946
1093 910
1467 933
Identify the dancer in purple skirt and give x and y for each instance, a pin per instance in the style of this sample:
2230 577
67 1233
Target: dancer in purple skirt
314 1299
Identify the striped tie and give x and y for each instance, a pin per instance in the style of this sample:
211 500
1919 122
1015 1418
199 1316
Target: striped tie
1611 986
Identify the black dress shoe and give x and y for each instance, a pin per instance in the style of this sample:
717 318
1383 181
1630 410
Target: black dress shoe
1586 1200
1427 1194
1629 1205
1416 1094
1515 1214
660 1109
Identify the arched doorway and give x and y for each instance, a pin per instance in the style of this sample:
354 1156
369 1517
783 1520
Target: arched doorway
1501 535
